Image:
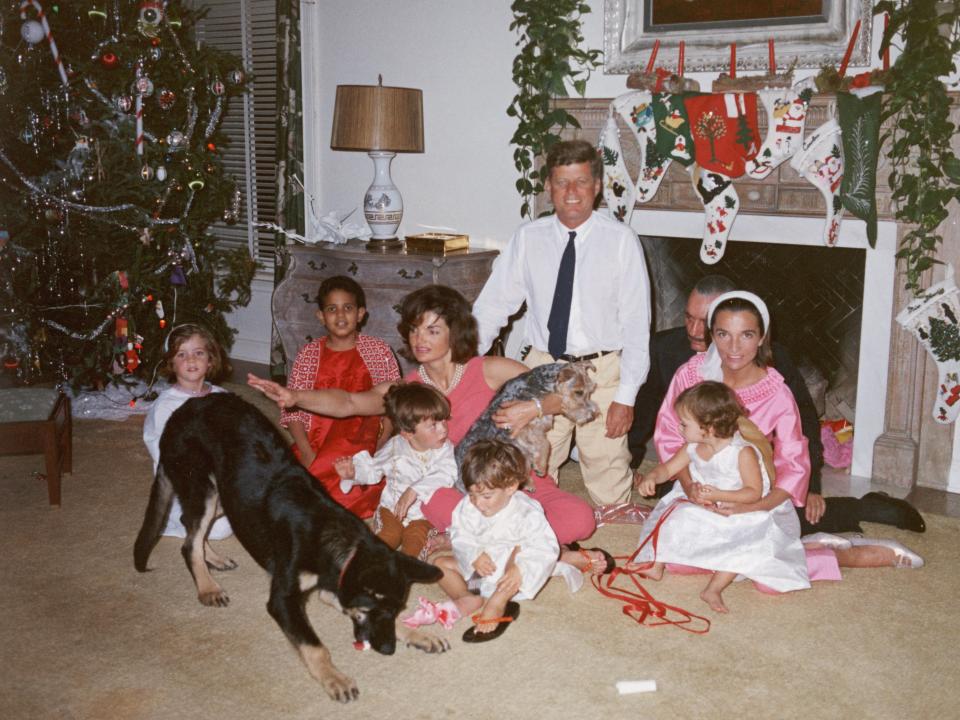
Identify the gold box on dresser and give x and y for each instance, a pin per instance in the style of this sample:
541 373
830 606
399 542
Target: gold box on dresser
437 242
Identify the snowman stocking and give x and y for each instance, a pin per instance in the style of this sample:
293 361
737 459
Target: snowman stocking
636 109
860 119
933 320
786 117
820 161
720 205
618 190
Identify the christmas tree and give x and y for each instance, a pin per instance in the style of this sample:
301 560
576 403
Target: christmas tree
110 176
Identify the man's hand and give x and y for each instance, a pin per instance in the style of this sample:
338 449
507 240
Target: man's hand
403 504
815 508
484 565
619 419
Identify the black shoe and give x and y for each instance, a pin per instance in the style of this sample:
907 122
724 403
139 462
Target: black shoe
879 507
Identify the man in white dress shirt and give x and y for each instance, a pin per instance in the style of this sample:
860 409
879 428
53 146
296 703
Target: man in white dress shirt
584 279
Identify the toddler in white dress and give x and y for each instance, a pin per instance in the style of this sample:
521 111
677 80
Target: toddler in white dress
727 471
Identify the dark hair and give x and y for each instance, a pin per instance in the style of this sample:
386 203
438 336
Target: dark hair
407 404
494 464
219 365
713 285
341 282
713 405
448 304
574 152
736 304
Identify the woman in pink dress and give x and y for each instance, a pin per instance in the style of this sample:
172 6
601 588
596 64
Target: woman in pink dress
440 333
738 356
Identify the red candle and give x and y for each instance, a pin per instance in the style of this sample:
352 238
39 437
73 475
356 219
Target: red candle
680 61
733 60
772 57
653 55
886 52
849 52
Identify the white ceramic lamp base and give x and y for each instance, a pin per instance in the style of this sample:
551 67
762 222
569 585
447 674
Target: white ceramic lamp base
383 205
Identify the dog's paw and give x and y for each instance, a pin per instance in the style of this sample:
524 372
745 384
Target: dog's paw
338 686
221 564
214 598
425 641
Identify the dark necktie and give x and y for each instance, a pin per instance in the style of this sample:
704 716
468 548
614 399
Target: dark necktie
562 297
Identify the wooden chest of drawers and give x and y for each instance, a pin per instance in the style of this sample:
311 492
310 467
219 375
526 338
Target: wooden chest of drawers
385 278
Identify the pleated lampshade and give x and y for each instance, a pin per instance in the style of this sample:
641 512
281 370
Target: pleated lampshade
374 117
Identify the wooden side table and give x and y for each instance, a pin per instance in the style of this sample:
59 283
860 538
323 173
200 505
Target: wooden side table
385 278
38 420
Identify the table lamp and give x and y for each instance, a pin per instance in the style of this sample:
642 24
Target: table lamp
381 121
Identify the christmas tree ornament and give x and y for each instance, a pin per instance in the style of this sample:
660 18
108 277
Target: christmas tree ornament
146 173
720 206
820 162
859 115
155 53
196 184
724 128
231 213
166 99
97 12
4 83
109 60
177 277
934 320
52 215
235 77
143 86
168 158
217 87
123 102
32 32
27 136
211 147
150 15
138 114
161 173
175 139
786 118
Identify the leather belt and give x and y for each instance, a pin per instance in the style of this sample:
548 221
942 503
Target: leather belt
582 358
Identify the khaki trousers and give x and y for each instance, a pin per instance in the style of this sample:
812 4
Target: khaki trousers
604 462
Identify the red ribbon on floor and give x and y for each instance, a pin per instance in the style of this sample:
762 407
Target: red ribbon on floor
639 604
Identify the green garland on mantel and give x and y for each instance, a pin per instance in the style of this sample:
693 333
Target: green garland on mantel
925 173
550 58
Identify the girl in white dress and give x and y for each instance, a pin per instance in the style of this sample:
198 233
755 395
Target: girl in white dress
762 546
192 355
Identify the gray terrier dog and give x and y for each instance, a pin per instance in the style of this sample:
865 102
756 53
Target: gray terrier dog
569 380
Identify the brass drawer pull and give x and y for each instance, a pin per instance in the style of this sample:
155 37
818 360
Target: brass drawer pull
402 272
312 264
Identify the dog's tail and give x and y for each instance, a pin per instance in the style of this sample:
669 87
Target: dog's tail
161 496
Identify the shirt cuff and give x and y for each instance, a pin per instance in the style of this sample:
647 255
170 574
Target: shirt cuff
626 395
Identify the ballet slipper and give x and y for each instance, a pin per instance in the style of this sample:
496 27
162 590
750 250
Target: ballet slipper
829 540
904 557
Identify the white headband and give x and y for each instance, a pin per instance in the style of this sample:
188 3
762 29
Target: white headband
711 370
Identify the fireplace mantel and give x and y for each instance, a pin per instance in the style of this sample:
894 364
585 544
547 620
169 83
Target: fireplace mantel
896 442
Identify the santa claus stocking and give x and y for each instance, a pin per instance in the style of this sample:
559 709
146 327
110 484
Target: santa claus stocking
820 161
636 109
786 117
673 130
618 190
933 320
860 119
724 127
720 205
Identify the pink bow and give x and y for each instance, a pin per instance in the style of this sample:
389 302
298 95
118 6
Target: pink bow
429 612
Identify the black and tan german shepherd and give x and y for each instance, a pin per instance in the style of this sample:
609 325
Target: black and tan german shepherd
220 449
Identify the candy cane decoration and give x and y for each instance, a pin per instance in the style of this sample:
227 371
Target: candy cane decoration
42 19
138 143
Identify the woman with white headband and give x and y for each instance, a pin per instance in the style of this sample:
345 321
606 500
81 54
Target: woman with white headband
738 356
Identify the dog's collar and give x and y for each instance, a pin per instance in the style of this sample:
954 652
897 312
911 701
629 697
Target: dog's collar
346 564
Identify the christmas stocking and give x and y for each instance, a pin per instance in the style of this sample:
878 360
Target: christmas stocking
618 190
786 117
724 127
636 109
673 131
860 120
820 161
933 320
720 205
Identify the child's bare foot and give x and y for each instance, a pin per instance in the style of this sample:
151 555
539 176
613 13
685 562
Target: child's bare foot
714 599
594 561
487 619
651 571
468 604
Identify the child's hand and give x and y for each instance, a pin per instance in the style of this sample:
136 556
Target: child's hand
344 467
708 491
484 565
403 504
307 457
646 486
509 583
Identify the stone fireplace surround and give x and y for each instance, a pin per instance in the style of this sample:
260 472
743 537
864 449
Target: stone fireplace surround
895 441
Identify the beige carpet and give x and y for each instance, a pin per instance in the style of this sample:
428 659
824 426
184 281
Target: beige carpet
84 636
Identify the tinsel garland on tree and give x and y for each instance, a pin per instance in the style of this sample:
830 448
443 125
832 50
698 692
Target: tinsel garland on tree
110 175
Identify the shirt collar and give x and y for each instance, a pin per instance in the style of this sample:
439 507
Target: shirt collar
581 230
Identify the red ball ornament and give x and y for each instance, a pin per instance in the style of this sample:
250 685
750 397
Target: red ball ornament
211 147
155 41
163 323
109 60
